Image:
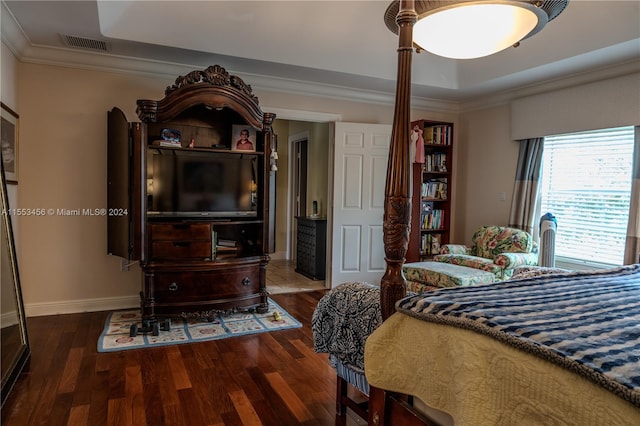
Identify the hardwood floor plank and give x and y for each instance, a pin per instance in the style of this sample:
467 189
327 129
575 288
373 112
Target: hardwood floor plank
154 412
84 381
71 370
290 397
274 401
119 413
190 411
138 413
178 370
117 376
244 409
78 415
168 393
99 407
61 407
266 412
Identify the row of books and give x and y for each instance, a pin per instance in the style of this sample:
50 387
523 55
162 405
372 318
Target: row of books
436 162
432 218
438 135
435 189
430 244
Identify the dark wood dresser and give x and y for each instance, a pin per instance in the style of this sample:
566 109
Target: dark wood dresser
311 247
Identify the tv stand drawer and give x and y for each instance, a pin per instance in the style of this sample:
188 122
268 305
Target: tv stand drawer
196 249
181 231
193 286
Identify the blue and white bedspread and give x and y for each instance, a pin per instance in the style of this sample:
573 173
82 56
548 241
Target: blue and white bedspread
587 322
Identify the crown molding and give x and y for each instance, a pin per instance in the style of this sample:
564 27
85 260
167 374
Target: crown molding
167 70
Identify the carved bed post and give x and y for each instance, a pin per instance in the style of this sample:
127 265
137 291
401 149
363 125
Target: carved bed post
397 205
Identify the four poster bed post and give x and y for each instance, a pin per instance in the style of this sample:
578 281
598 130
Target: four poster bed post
397 203
384 405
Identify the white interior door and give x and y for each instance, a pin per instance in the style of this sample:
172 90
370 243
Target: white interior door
360 154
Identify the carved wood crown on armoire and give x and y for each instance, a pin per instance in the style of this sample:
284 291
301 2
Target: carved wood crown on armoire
196 199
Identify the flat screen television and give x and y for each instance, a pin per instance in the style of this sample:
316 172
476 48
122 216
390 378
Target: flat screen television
201 184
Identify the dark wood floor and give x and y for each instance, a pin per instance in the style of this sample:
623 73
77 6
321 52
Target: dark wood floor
269 378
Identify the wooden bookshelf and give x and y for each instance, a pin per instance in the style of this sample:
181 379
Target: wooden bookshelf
431 198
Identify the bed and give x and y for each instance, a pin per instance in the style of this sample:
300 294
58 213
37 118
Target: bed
552 349
519 352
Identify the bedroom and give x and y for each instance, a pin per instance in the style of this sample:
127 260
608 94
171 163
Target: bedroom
61 106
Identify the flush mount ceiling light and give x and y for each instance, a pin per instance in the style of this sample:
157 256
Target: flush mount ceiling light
465 29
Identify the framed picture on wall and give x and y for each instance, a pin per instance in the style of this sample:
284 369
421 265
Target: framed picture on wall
244 138
9 142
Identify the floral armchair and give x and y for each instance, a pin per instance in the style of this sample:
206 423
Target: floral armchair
495 249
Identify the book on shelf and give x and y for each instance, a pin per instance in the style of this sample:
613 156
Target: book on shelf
433 219
425 211
439 134
167 144
435 189
435 162
226 243
430 244
222 248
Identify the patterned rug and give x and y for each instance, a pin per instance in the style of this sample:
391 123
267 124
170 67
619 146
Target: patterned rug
115 336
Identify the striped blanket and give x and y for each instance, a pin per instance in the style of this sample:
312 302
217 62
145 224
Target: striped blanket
587 322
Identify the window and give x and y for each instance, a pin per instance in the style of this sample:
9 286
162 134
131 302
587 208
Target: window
586 185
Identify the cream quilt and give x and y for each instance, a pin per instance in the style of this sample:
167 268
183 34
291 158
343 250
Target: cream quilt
481 381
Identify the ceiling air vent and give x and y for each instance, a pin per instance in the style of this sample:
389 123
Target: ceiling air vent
86 43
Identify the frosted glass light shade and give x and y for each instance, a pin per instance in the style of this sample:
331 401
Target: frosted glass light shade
473 30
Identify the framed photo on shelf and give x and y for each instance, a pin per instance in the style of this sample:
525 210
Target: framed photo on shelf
9 142
244 138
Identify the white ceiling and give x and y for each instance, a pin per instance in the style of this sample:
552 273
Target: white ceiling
342 44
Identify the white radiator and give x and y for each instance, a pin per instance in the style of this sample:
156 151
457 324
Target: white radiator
548 226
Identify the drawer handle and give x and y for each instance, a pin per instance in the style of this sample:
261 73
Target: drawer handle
182 244
246 281
173 287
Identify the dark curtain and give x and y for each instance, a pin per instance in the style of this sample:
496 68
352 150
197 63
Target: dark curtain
524 204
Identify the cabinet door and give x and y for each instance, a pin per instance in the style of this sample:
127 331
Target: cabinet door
123 205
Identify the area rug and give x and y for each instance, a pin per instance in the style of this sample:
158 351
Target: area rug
115 336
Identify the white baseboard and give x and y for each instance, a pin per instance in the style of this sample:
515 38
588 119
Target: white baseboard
86 305
7 319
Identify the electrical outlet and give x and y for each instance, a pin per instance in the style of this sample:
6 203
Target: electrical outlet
124 265
503 196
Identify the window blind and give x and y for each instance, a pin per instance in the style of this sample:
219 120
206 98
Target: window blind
586 184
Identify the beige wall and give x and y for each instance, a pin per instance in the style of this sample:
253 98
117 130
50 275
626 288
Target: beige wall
281 128
318 169
317 162
63 120
485 168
